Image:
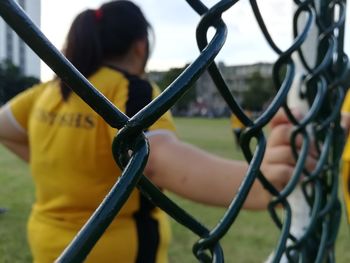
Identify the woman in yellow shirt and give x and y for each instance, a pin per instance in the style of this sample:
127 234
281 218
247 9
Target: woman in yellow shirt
345 120
237 126
68 147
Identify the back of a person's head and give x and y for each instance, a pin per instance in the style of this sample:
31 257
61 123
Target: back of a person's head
120 23
104 33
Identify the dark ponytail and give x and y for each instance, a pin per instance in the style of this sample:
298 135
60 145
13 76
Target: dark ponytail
96 35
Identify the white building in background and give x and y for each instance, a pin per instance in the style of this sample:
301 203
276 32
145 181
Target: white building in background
14 49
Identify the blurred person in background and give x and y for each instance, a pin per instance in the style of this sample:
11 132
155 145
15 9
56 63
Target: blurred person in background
68 147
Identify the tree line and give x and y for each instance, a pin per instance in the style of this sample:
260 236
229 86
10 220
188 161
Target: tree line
258 93
13 81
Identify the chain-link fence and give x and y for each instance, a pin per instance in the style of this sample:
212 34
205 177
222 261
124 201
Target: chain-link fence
321 87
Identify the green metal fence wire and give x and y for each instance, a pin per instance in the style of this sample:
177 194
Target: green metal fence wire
323 87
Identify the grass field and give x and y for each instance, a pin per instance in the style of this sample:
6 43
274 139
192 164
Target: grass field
249 240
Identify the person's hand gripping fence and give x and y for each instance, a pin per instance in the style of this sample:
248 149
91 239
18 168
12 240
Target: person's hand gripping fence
315 213
323 87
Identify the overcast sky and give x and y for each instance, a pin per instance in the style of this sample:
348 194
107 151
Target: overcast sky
174 23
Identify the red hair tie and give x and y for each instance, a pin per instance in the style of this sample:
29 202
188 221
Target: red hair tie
98 14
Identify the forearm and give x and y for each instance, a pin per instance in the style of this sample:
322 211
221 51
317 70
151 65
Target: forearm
345 122
203 177
19 149
206 178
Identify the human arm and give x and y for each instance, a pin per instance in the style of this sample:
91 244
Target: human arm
345 114
203 177
11 135
345 122
14 119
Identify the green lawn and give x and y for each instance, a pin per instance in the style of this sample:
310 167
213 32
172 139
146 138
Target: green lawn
249 240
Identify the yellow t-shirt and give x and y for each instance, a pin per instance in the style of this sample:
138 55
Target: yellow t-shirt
346 110
346 160
73 170
236 123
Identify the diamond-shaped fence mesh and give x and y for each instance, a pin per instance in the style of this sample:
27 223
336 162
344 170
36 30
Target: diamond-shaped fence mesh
322 88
